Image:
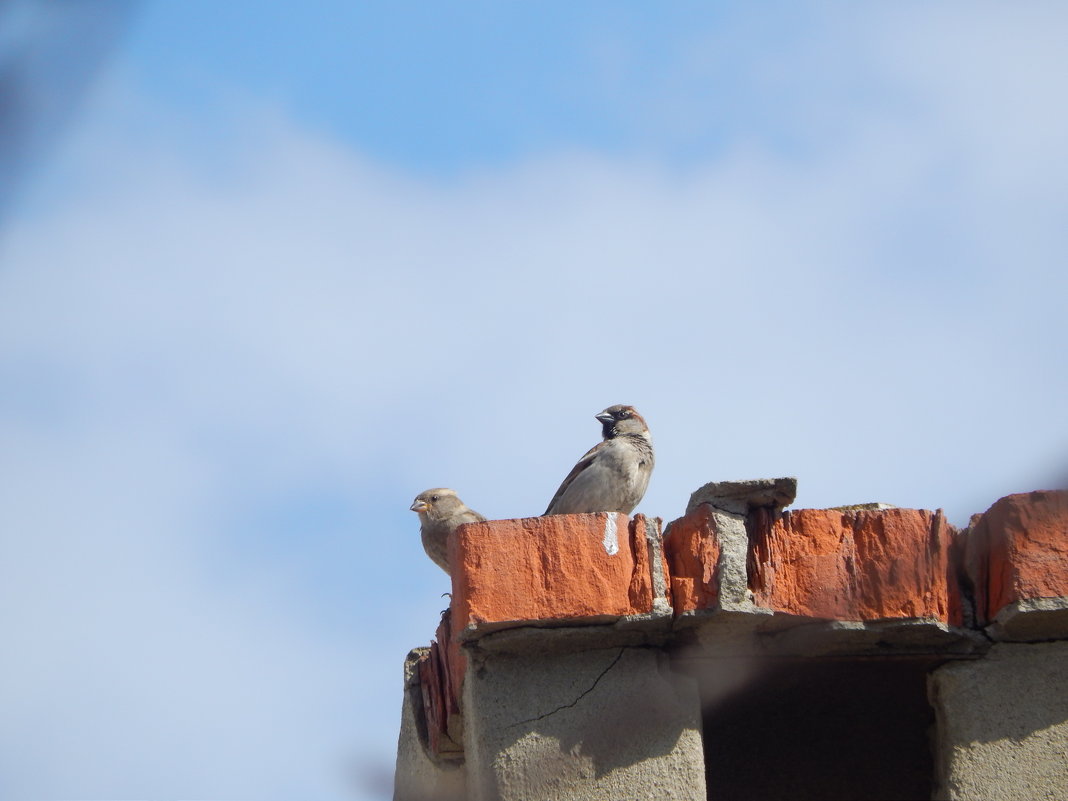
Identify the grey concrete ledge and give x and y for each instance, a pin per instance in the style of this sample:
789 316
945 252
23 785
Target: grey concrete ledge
741 496
1032 620
562 636
760 632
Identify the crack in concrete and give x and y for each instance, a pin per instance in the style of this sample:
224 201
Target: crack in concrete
732 510
582 695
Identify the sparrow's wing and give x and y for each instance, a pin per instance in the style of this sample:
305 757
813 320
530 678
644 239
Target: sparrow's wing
583 463
471 516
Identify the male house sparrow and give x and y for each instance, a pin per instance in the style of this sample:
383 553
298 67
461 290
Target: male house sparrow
613 474
440 512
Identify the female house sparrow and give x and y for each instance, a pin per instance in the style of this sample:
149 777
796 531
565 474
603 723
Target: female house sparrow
613 474
440 512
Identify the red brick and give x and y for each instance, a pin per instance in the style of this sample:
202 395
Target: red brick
548 568
822 563
692 551
1018 551
441 675
856 565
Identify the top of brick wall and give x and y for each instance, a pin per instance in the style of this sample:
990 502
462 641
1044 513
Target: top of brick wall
841 565
867 580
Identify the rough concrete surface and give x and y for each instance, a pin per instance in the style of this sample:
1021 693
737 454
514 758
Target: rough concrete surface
1003 724
1031 620
911 636
546 637
742 496
604 724
420 777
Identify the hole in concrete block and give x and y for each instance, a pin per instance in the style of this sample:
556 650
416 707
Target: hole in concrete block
821 730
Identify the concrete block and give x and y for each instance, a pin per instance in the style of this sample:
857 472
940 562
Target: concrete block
1031 620
1002 724
612 723
741 497
894 638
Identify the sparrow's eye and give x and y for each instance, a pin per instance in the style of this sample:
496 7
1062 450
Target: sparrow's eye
434 497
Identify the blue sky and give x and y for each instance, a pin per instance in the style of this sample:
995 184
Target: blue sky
432 87
280 271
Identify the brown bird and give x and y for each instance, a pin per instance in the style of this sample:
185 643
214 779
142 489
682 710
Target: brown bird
440 512
613 474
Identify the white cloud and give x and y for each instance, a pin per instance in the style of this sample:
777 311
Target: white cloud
191 337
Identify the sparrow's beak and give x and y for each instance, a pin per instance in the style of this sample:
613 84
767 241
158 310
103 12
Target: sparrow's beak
419 506
604 417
